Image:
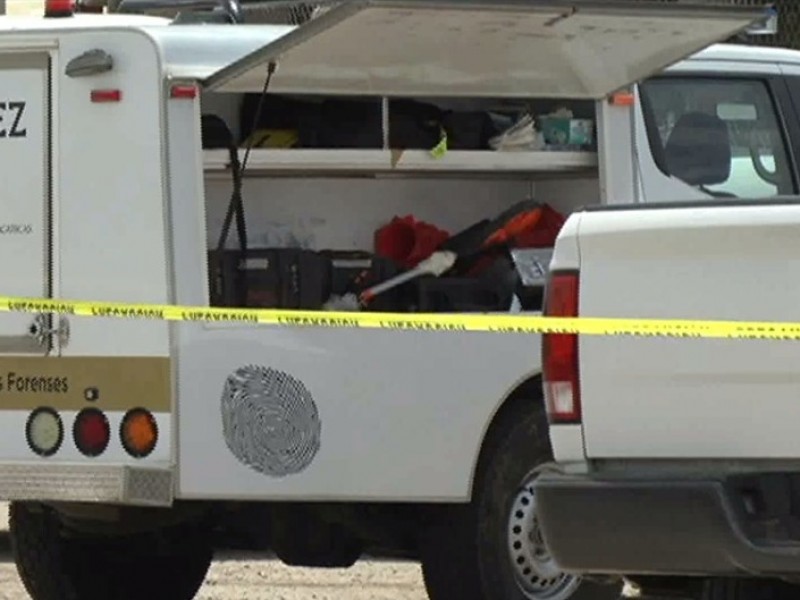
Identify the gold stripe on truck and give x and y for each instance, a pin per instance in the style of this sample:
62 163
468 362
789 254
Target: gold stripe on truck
112 383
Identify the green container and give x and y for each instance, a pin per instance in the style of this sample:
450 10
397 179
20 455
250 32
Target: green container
567 132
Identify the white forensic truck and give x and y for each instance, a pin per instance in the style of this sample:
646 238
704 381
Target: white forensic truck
379 137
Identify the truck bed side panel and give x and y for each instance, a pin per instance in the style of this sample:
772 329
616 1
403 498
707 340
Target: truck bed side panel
356 415
673 398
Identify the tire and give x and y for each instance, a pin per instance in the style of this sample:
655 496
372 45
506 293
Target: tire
732 588
467 551
170 565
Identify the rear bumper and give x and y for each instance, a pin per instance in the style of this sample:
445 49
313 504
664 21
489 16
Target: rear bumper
115 484
725 526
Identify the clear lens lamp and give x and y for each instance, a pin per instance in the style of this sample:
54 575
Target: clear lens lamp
44 431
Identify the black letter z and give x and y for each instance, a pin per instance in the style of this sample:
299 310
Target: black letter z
19 107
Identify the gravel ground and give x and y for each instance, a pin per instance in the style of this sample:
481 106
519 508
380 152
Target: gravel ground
241 578
264 580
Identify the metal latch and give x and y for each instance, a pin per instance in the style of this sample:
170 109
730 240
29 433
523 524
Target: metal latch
40 330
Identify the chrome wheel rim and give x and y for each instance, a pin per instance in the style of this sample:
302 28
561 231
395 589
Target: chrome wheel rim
535 571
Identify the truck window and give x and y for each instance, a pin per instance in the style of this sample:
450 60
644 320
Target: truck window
719 135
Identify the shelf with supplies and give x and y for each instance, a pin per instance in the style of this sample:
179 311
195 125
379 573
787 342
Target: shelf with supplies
366 161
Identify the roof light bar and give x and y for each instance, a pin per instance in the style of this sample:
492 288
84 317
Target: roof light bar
59 8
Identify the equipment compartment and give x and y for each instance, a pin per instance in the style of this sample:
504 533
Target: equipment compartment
325 184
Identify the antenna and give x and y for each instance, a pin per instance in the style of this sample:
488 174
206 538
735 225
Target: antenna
231 8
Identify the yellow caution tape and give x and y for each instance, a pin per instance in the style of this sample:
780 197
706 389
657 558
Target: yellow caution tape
499 323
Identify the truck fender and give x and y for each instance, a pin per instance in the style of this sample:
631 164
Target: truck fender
526 389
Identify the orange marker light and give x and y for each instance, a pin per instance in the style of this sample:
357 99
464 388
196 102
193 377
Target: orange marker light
622 99
138 432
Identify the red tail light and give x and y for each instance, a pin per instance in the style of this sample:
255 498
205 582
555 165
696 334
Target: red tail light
91 432
560 351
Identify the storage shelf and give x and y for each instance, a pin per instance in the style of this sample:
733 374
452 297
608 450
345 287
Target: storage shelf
296 161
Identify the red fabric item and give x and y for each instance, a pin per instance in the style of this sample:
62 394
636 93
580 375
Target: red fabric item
408 241
396 239
544 232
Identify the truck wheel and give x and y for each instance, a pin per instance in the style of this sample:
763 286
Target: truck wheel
54 565
492 547
734 588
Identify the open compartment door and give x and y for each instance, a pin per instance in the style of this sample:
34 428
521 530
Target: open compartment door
475 48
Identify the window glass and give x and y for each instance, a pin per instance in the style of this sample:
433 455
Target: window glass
719 135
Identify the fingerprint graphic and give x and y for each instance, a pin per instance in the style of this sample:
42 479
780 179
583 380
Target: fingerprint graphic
270 421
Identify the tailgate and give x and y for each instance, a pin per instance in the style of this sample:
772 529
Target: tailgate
691 398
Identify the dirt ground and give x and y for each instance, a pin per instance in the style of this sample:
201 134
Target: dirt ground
241 578
264 580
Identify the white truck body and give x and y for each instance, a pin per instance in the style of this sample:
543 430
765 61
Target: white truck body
155 241
114 157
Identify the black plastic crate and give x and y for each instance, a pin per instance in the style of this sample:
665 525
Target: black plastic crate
290 278
460 295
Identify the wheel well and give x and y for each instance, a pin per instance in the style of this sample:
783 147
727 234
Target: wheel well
526 395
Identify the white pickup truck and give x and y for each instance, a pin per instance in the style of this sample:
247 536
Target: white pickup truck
678 460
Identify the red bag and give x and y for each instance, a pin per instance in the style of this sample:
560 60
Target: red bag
408 241
544 233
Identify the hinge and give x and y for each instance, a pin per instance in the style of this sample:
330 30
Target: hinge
41 331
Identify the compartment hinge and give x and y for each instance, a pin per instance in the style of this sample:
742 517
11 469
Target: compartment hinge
41 330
